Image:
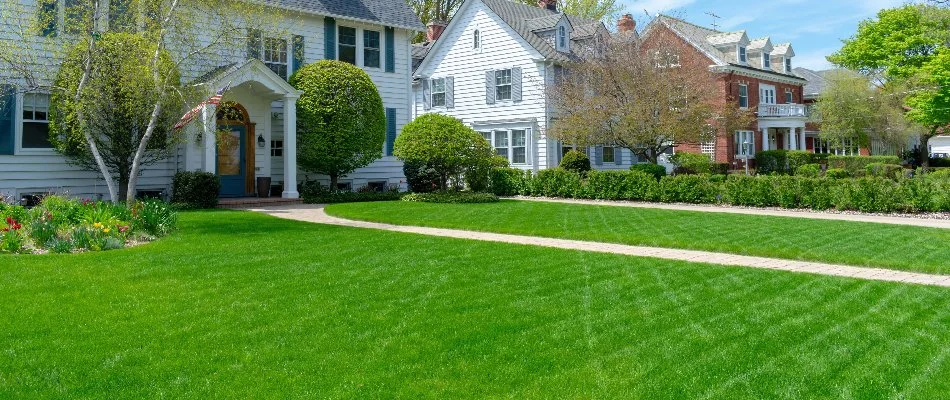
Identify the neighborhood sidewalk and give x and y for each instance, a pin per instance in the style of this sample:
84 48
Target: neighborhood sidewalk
316 214
881 219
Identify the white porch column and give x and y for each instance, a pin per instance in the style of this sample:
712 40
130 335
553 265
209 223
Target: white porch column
765 139
801 137
208 139
290 146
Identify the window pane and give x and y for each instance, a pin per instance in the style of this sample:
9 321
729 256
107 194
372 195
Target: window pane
347 36
438 99
348 54
503 77
36 135
371 39
608 154
518 138
519 155
438 85
501 139
486 135
503 92
371 58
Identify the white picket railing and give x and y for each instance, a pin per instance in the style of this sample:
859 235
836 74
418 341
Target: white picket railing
782 110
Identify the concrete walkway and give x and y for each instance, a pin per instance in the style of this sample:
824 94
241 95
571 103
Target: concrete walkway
881 219
316 214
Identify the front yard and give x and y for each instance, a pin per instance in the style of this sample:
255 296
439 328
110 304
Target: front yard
240 305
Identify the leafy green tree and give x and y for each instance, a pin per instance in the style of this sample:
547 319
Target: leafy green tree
592 9
341 123
906 48
117 103
444 144
433 11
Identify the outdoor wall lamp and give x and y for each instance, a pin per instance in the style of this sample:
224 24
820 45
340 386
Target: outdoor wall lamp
260 141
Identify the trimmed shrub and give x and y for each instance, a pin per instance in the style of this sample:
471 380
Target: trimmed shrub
691 163
444 144
856 165
870 194
797 158
556 182
687 189
508 181
658 171
926 194
451 197
313 192
478 176
194 189
808 170
420 177
816 193
754 191
771 161
890 171
837 173
620 185
575 161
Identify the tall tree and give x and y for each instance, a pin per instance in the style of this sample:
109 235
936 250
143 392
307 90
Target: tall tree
434 11
906 47
197 35
592 9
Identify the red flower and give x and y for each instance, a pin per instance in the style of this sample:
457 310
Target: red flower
123 228
12 225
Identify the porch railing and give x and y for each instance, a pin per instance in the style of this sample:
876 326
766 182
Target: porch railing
782 110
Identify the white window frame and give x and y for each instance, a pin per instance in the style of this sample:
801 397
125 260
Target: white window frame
562 37
746 97
20 121
364 48
476 40
766 94
789 97
499 83
741 54
438 82
766 60
283 55
492 136
788 64
848 147
744 152
356 44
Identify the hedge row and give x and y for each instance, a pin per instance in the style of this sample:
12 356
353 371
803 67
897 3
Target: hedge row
857 165
869 194
451 197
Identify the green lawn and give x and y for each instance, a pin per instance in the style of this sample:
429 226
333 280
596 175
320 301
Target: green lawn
840 242
240 305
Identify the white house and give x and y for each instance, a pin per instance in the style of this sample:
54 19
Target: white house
491 67
372 34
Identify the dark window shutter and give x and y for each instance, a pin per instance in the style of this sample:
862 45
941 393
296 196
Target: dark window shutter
390 49
598 155
329 33
516 84
618 155
254 43
7 119
299 55
426 94
390 130
48 17
449 92
490 87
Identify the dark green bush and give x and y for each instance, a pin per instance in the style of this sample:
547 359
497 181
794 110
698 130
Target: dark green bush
451 197
797 158
575 161
444 144
194 189
837 173
856 165
658 171
687 189
556 182
691 163
313 192
890 171
420 177
478 176
926 194
870 194
754 191
720 169
816 193
509 181
620 185
808 170
783 162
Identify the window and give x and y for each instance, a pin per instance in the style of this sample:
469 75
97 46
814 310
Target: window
276 148
708 148
476 40
501 143
847 147
744 96
486 135
789 98
503 85
347 45
36 121
274 55
609 155
742 55
745 144
766 94
519 147
562 37
371 49
766 60
788 65
438 92
666 59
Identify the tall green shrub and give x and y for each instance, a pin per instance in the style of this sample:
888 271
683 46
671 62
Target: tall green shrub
556 182
509 181
856 164
575 161
692 163
658 171
687 189
444 144
620 185
194 189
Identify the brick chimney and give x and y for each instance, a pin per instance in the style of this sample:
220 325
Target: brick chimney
626 24
548 4
434 30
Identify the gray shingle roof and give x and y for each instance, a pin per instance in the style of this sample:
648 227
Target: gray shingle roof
816 81
387 12
526 19
419 53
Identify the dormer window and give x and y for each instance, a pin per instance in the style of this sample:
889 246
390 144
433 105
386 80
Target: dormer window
742 55
766 60
562 37
788 65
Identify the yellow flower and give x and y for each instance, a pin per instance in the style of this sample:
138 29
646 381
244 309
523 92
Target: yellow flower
97 225
106 230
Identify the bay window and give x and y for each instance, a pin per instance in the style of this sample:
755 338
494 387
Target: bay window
512 144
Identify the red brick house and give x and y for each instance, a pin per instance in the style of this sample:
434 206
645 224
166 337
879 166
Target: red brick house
753 72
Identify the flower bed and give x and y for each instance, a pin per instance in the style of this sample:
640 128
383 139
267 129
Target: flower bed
62 225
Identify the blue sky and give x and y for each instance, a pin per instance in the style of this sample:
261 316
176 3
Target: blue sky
815 28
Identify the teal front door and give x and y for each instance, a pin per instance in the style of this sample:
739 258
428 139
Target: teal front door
232 160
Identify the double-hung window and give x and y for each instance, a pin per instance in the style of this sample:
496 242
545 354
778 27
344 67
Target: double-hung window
503 85
742 55
501 143
789 98
274 55
519 147
766 60
346 47
438 92
745 144
561 37
512 144
609 154
35 121
788 65
744 96
371 49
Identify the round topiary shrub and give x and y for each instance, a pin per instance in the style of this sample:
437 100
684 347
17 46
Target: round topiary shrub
445 145
809 170
575 161
340 119
837 173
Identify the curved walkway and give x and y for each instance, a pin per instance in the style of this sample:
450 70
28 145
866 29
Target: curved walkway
316 214
881 219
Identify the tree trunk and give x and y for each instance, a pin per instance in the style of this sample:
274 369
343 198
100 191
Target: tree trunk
124 182
334 181
924 150
80 115
140 152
